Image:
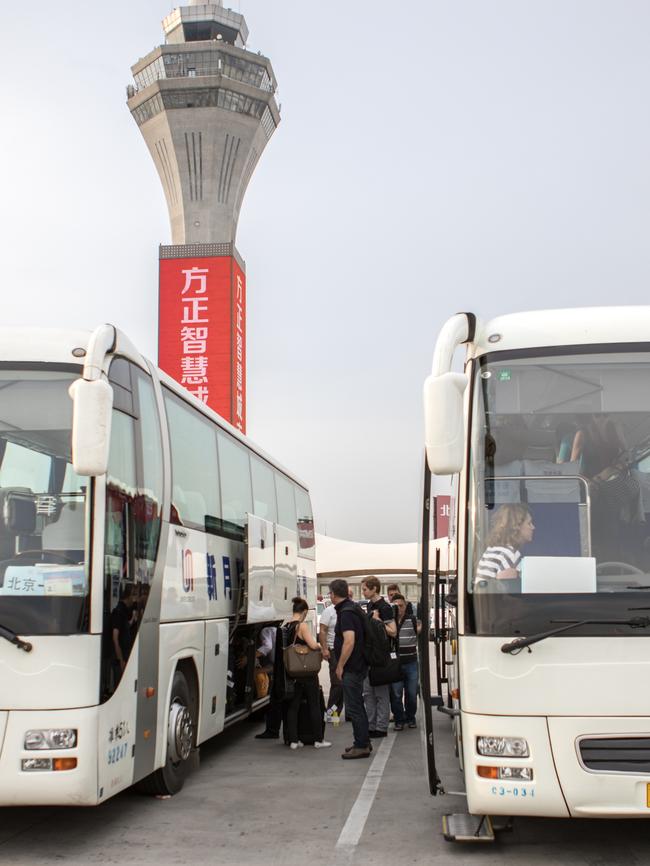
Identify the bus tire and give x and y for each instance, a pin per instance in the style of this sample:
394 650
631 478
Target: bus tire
181 734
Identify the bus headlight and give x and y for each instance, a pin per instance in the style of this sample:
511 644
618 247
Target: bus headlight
501 747
524 774
53 738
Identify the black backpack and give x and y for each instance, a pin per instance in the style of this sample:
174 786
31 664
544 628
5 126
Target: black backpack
376 643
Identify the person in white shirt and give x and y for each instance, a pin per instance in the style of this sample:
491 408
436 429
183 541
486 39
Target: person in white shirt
326 638
265 659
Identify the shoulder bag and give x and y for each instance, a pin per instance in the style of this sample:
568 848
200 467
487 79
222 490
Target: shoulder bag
300 660
391 670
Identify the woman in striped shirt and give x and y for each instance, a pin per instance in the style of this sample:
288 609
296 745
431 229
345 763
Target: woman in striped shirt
512 527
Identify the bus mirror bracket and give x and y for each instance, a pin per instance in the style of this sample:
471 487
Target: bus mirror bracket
92 399
444 423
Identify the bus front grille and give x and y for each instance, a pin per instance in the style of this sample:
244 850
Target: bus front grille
616 755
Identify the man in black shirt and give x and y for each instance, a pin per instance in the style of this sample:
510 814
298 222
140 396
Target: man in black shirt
377 698
351 668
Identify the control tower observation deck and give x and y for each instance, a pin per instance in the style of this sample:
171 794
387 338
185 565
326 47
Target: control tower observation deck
206 108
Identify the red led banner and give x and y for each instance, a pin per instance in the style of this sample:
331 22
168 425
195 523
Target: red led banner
239 347
202 331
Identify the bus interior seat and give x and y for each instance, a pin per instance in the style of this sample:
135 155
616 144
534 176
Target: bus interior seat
560 529
17 520
18 510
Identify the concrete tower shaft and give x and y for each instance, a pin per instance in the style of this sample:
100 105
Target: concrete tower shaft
206 108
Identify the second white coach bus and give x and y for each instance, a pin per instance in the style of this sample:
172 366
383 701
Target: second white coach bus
144 544
543 631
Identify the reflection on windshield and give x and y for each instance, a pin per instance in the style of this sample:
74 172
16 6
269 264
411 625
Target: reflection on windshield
560 480
43 577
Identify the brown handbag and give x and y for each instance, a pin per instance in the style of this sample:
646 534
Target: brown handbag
301 661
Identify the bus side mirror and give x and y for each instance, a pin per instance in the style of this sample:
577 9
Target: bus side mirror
444 426
91 425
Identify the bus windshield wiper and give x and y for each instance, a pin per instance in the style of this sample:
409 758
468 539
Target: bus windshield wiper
13 638
519 643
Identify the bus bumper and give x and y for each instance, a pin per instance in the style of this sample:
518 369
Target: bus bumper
540 796
567 780
600 765
45 787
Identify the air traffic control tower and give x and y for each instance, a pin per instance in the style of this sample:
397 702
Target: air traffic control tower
206 108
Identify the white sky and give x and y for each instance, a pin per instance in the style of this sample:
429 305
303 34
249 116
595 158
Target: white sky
432 157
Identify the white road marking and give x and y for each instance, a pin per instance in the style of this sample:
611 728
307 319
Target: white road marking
353 828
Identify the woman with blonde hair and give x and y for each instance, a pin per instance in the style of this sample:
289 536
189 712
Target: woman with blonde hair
512 527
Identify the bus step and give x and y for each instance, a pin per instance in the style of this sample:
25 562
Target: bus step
462 827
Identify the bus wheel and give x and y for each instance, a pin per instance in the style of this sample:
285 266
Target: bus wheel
181 731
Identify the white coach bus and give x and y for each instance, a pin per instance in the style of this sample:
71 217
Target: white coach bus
543 631
144 545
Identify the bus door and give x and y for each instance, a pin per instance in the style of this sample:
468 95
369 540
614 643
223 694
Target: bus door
260 555
441 629
286 569
428 700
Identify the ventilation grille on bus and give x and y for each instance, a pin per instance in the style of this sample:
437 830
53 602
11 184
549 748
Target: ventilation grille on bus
624 755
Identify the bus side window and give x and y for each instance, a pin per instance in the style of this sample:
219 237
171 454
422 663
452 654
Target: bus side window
264 504
236 495
195 475
305 525
286 502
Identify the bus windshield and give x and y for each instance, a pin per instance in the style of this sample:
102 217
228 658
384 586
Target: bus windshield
43 574
559 491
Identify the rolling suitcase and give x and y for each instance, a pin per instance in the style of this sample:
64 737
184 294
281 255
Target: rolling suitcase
305 734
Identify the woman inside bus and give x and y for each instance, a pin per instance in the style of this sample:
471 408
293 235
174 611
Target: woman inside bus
512 528
297 630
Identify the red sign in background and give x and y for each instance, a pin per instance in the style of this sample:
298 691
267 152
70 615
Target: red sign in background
443 516
202 331
239 347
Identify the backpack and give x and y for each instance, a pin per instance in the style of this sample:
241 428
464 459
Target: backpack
376 643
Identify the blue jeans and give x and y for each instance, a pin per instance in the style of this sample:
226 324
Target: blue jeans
354 707
404 694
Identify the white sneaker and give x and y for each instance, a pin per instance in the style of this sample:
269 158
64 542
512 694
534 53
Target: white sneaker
323 744
297 745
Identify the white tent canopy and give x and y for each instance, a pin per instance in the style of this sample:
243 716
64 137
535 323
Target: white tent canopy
336 557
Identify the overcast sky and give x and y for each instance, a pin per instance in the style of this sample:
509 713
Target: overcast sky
432 157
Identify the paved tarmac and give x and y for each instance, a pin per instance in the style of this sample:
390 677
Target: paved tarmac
255 803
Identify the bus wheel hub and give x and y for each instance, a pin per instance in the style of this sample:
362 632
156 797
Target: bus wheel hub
181 733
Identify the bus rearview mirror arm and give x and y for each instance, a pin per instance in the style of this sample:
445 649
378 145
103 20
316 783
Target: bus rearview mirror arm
92 399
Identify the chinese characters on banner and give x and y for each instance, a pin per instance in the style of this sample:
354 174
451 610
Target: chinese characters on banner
202 331
443 516
239 343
